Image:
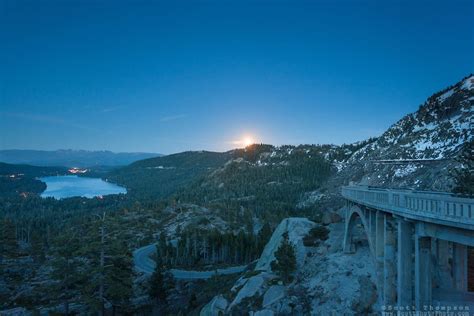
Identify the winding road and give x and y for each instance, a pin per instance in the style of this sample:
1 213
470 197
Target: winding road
143 263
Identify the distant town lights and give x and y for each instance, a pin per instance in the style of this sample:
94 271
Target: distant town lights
77 170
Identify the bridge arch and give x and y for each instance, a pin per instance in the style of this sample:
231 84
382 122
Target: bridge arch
420 242
353 212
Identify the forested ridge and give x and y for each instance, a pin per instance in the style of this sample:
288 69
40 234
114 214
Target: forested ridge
160 177
271 183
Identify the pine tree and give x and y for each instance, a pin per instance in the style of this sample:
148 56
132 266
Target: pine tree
157 290
193 303
160 285
8 240
66 268
119 277
37 247
109 267
285 259
264 236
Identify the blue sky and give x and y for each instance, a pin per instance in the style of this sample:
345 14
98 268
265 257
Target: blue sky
173 76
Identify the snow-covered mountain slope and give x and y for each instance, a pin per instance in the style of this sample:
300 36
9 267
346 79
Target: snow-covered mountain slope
420 150
436 131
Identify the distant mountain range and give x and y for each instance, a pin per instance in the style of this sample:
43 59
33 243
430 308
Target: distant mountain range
71 158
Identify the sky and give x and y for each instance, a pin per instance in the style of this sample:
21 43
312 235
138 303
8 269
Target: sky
171 76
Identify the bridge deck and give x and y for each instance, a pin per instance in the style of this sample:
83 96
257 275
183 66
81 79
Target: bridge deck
437 207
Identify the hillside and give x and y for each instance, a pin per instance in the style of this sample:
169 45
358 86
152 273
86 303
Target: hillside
265 180
420 150
21 179
161 176
71 158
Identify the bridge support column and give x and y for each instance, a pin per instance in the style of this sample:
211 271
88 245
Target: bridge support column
370 224
348 245
460 267
423 286
373 226
379 250
404 263
389 261
445 279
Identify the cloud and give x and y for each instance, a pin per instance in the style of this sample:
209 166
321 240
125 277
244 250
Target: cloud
48 119
234 142
172 118
111 109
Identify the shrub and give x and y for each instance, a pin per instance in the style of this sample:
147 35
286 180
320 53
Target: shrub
315 235
285 260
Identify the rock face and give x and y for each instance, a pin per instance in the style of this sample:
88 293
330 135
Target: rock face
297 228
367 296
338 283
264 312
215 307
273 294
326 281
330 217
250 288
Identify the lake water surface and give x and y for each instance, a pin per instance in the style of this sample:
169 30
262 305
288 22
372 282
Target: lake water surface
60 187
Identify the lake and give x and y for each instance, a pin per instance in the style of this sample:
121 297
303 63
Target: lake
60 187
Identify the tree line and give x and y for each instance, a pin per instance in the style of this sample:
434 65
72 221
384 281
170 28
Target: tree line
198 248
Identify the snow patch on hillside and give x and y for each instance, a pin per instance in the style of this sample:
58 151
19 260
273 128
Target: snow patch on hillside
468 84
425 127
445 95
405 170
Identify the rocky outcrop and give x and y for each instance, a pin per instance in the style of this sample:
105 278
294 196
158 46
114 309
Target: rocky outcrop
297 228
273 295
215 307
326 281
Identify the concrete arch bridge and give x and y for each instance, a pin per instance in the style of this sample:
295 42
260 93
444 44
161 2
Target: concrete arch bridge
422 244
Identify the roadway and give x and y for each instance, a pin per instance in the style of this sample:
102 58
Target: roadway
144 264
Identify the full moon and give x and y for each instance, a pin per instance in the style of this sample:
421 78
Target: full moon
247 141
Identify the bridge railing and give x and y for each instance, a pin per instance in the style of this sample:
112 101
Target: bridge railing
442 206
